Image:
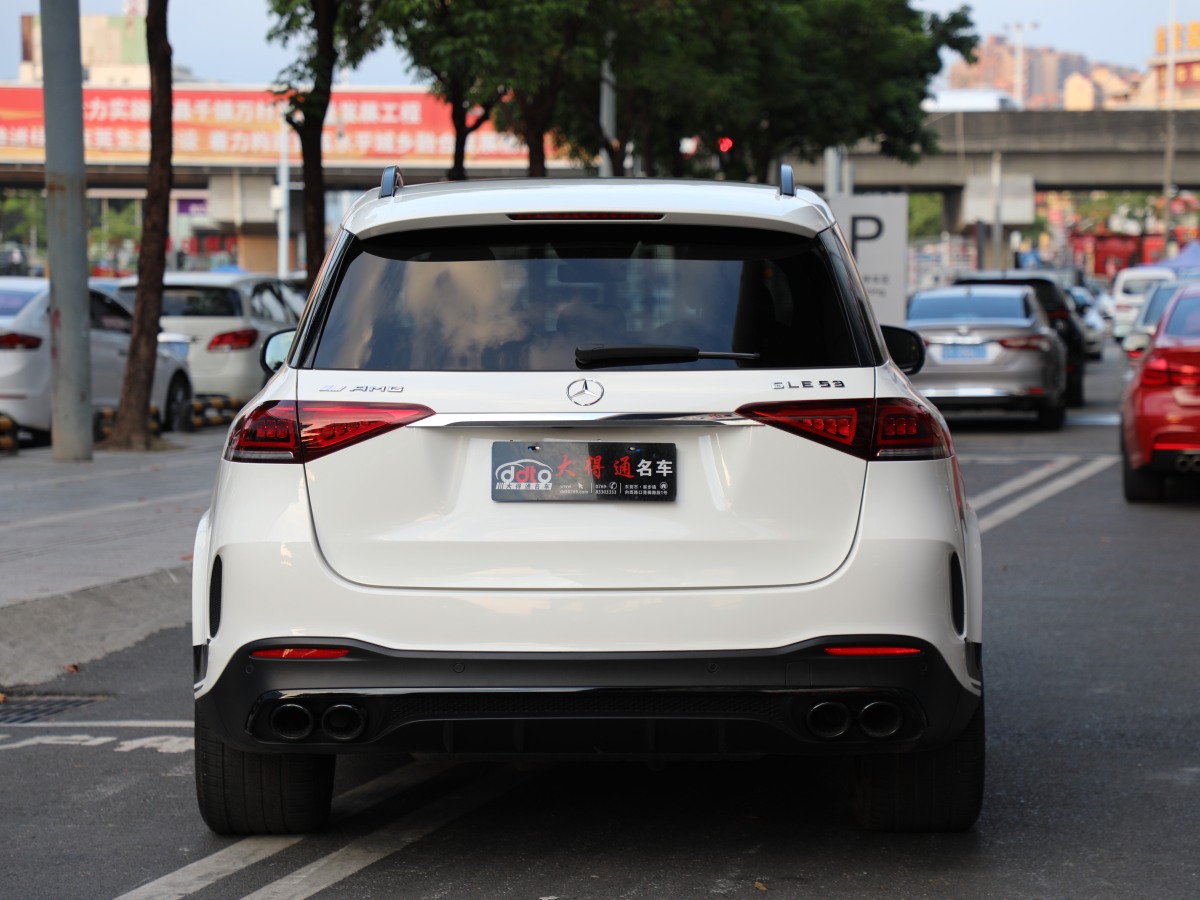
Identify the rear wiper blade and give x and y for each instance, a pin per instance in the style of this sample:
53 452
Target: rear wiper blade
600 356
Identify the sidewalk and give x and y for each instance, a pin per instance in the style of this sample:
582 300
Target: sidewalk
96 555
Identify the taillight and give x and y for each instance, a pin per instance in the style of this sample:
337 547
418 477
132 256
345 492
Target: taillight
1162 371
287 432
886 429
242 339
14 340
1032 342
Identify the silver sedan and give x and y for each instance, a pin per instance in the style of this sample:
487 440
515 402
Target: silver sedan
990 347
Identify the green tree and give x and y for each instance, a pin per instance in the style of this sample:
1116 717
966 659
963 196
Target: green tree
332 33
925 215
120 225
777 77
450 41
131 430
23 218
542 45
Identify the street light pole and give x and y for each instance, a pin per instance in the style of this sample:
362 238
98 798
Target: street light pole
1169 152
66 233
1018 29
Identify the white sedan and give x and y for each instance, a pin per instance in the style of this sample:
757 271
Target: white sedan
25 370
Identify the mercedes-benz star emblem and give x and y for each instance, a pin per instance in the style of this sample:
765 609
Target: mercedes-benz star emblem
585 392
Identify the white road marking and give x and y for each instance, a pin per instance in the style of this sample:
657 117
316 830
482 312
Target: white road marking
248 851
389 839
148 503
1045 492
1021 482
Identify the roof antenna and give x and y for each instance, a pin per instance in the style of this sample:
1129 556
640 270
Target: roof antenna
392 179
787 185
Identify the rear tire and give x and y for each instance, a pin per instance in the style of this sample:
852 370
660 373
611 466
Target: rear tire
1075 390
928 790
1052 415
1140 485
178 413
260 793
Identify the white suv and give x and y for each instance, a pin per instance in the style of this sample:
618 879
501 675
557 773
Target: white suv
605 468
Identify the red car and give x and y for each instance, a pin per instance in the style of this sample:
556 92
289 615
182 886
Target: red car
1160 412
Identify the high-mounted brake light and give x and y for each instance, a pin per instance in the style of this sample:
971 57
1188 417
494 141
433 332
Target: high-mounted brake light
288 432
871 650
888 429
590 216
242 339
301 653
14 340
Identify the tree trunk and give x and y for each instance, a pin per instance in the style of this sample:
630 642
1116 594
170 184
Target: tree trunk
313 176
309 122
131 430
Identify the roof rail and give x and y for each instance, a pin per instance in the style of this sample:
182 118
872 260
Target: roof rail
392 179
787 185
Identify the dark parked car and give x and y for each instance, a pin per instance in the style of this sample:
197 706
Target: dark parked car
1059 306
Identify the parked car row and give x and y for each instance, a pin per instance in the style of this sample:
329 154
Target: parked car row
213 327
25 367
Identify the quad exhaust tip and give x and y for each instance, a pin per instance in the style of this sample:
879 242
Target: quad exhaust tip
880 719
295 722
291 722
343 722
830 720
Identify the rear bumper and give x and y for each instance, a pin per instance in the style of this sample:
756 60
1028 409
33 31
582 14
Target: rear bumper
796 699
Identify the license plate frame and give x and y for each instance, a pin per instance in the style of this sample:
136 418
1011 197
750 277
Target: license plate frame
964 352
584 471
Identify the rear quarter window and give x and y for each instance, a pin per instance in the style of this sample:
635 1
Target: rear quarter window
523 298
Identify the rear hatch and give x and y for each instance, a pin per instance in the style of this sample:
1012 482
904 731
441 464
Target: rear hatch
721 501
538 467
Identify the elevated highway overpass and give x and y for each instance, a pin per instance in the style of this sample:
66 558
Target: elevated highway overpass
1109 150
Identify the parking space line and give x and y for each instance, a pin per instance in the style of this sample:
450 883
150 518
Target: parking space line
147 503
1056 465
1045 492
395 836
248 851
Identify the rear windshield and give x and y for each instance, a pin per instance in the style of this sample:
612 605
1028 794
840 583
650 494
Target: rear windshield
1185 318
967 307
523 298
1158 301
195 301
1139 285
12 301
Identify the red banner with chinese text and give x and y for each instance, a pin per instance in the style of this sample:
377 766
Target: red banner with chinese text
243 126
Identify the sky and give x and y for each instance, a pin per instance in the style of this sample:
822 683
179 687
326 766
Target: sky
225 40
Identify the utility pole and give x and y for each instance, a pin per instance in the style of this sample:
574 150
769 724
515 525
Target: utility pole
66 227
1169 152
1019 60
608 108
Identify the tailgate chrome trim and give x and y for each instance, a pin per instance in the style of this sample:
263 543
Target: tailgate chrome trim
585 420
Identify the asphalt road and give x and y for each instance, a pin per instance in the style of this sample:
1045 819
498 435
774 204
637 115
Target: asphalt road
1093 748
